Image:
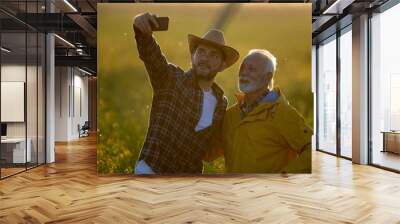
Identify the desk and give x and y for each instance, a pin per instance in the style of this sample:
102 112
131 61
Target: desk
15 148
391 141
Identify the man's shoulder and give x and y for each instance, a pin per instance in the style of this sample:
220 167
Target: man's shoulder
285 112
176 69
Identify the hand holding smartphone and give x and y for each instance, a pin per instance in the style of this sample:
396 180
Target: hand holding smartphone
147 23
162 24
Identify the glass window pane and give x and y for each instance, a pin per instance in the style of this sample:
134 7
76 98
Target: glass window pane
32 88
385 89
31 97
346 94
14 150
314 76
23 90
41 98
327 96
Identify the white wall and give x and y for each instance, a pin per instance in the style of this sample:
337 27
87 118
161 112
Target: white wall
16 73
71 93
12 100
61 103
81 96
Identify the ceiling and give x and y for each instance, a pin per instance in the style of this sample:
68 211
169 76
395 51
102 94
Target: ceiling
76 22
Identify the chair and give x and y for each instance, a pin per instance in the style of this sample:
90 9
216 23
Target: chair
84 130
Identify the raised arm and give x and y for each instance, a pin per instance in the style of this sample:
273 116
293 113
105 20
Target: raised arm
159 70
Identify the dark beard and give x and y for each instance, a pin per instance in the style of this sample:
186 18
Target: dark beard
210 76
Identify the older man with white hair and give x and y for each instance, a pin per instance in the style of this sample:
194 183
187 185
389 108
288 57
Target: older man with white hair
262 132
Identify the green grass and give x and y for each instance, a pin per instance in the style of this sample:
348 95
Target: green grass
124 91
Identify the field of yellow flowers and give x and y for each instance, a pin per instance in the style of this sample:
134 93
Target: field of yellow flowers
124 91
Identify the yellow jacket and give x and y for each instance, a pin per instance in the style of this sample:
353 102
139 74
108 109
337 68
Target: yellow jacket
272 138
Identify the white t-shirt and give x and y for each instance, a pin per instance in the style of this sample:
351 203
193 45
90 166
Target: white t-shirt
207 112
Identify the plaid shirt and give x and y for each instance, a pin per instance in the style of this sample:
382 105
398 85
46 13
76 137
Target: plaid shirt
172 145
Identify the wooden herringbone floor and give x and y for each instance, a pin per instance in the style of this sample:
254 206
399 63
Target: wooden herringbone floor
70 191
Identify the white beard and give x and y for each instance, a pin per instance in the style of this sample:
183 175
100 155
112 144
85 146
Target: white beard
251 87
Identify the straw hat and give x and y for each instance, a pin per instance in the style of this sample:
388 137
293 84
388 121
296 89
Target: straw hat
216 39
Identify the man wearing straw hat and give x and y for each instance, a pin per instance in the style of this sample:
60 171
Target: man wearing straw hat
188 106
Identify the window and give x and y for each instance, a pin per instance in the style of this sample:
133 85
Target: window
22 88
313 88
385 89
346 93
327 95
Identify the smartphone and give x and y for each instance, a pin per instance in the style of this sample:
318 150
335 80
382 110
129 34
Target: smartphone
162 24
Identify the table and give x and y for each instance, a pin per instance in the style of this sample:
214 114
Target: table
13 150
391 141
